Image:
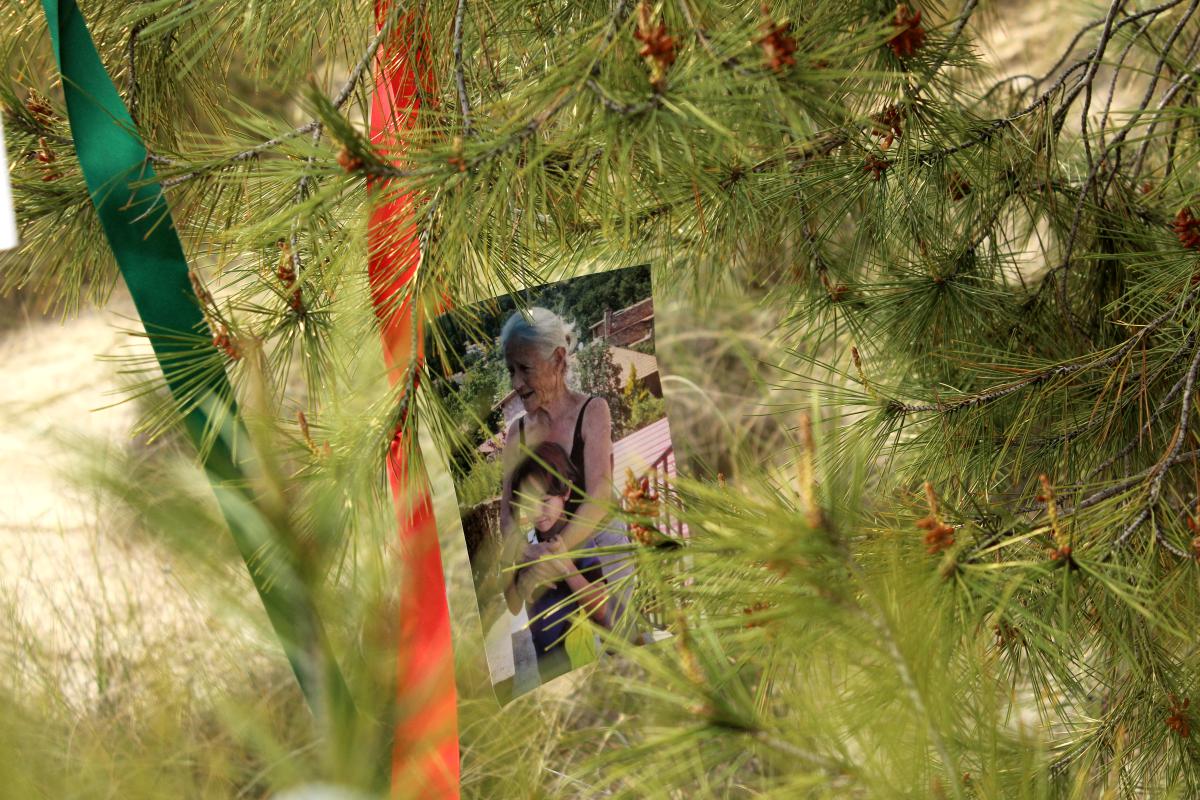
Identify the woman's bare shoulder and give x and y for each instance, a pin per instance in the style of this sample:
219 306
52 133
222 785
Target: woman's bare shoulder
514 427
512 436
597 416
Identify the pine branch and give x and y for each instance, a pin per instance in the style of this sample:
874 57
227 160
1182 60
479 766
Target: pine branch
1064 266
314 126
1089 64
460 82
133 92
729 62
1057 371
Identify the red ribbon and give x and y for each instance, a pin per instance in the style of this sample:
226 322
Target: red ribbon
425 755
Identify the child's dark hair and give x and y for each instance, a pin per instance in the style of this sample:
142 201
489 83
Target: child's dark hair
549 463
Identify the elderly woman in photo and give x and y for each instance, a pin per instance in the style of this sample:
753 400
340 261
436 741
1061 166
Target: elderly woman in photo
537 345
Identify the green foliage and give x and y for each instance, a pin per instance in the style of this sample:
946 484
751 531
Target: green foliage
597 375
481 482
641 406
484 385
981 280
472 399
644 407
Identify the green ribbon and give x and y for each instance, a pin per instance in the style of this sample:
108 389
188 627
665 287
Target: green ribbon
137 223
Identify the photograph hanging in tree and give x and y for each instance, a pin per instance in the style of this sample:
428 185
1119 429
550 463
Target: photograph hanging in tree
563 468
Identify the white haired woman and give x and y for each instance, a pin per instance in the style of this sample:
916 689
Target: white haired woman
537 345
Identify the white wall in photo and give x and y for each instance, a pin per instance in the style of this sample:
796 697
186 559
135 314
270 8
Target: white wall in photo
8 217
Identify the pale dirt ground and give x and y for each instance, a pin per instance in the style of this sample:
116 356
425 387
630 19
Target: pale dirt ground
63 567
83 599
66 572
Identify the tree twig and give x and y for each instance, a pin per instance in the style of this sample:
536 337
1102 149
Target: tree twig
460 80
314 126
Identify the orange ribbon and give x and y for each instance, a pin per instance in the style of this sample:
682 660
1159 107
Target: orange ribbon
425 754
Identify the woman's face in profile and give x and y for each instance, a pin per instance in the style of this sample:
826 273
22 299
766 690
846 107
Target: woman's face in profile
533 378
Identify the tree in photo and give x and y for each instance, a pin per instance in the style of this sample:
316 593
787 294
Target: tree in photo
643 407
598 375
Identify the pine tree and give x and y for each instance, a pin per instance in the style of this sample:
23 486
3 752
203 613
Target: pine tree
933 336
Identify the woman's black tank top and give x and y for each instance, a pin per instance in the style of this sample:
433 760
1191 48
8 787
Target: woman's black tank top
579 493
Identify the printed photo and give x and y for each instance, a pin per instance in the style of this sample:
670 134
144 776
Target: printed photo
556 399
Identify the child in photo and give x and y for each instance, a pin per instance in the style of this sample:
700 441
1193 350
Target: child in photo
544 482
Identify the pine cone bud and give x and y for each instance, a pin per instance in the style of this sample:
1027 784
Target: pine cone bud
876 166
939 538
889 120
349 161
1187 229
910 36
1179 720
753 611
39 108
46 156
286 271
224 341
658 49
778 47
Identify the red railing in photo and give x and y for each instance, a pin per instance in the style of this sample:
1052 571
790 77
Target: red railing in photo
660 474
651 496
